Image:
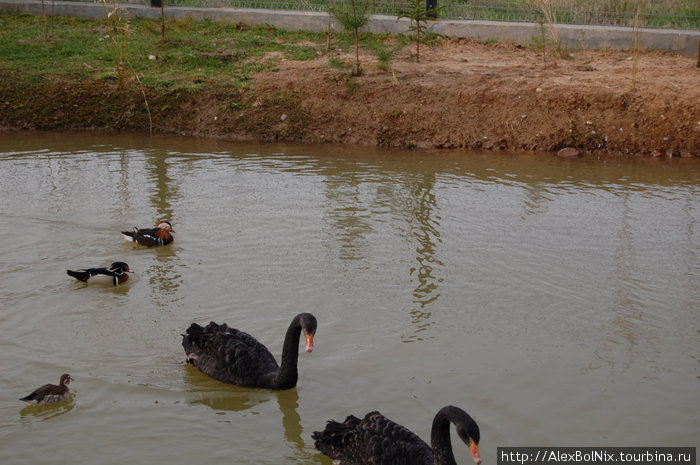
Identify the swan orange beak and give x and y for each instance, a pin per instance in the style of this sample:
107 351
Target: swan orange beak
309 342
474 448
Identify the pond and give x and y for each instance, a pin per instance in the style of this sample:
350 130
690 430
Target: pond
555 300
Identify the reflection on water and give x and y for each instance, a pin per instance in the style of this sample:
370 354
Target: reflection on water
619 347
424 223
627 304
221 396
33 412
224 401
358 201
121 289
536 200
166 191
291 421
164 277
230 398
349 216
539 289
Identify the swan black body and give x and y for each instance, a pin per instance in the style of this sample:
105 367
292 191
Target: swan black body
235 357
377 440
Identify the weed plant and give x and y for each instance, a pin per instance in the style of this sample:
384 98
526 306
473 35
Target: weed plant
419 17
353 15
642 6
118 29
542 42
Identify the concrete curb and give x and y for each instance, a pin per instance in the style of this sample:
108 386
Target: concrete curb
683 42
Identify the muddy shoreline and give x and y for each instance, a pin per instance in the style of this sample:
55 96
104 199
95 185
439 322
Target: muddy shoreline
463 94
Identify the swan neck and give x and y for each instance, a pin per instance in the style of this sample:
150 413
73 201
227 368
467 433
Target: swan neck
440 439
287 376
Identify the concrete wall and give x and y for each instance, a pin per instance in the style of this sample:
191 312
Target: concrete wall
684 42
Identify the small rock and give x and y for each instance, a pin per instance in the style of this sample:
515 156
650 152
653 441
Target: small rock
569 152
283 117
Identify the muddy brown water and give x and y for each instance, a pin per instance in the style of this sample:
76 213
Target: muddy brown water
555 300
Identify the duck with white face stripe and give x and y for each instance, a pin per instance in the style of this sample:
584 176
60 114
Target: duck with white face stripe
159 236
116 274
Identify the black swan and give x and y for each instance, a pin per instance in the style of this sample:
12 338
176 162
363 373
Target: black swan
232 356
151 237
50 393
377 440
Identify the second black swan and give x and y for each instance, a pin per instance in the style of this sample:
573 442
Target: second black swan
377 440
235 357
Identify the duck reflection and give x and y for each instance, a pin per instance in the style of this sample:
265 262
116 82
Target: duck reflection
47 412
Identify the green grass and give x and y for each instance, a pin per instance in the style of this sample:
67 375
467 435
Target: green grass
192 54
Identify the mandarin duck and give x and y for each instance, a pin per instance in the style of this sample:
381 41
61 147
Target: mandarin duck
151 237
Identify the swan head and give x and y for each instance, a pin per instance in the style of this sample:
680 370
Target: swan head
308 324
468 431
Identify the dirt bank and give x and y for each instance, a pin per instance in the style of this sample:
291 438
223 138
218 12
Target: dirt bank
461 94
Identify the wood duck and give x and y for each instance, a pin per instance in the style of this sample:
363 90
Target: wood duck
50 393
151 237
114 275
